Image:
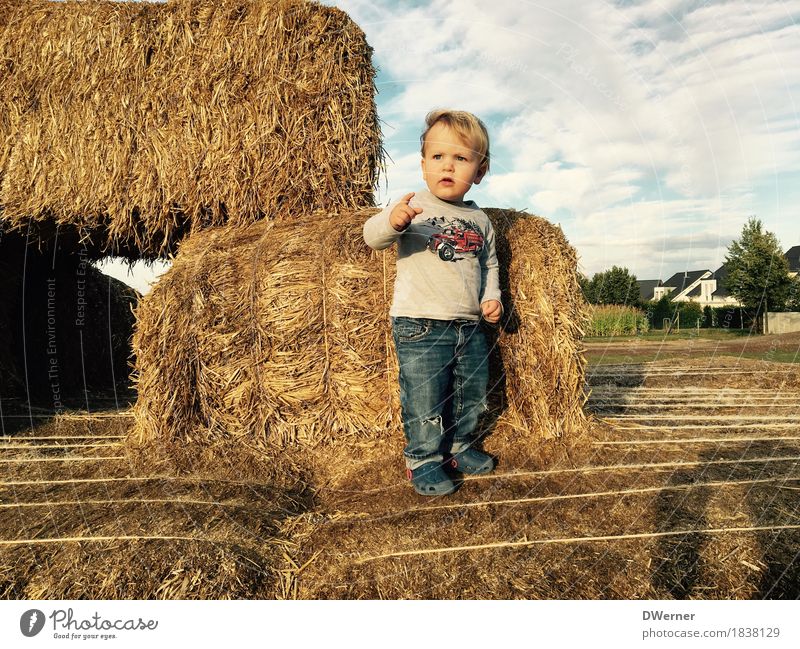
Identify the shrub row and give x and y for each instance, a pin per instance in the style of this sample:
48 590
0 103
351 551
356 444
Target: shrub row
687 314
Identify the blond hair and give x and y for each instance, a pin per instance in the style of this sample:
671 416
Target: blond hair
468 126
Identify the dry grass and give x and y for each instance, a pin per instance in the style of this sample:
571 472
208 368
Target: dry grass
718 519
713 519
103 530
713 371
134 123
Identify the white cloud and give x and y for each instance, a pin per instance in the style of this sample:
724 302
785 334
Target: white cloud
646 121
403 176
663 237
141 275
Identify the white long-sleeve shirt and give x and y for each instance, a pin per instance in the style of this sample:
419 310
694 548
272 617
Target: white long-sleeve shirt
446 261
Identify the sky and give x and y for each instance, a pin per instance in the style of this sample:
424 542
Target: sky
649 131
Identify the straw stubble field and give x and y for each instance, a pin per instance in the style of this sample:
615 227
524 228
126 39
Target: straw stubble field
687 488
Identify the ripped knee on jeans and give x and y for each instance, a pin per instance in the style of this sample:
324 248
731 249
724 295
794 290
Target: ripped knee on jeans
436 420
425 439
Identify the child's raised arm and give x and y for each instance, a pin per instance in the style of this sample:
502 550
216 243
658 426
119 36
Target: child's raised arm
381 231
402 214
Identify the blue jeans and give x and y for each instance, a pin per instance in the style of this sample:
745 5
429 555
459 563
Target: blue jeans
444 369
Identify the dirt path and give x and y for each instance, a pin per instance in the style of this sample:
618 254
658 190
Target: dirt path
784 345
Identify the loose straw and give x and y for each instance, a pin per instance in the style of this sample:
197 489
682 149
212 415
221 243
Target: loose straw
21 483
694 440
62 459
625 394
688 391
92 416
365 517
717 427
82 539
19 438
615 467
690 370
578 539
28 447
124 501
715 404
723 418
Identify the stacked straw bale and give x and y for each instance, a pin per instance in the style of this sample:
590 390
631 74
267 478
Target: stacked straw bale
65 327
134 123
278 336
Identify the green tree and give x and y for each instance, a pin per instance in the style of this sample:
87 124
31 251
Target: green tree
586 288
683 315
614 286
758 273
659 310
793 301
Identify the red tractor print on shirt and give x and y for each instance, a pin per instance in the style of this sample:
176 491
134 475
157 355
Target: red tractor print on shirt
452 240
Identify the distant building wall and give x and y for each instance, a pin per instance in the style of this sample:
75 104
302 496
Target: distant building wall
783 323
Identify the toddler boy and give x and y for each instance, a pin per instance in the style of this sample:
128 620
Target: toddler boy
447 279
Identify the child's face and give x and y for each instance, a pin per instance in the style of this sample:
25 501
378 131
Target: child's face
450 165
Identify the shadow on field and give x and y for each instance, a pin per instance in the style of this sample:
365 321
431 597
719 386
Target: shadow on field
19 415
692 565
779 505
689 562
15 421
611 388
678 573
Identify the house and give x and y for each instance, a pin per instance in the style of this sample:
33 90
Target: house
680 284
707 288
711 291
701 286
793 257
647 288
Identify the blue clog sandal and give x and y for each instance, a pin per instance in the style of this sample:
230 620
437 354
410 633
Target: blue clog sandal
470 461
430 479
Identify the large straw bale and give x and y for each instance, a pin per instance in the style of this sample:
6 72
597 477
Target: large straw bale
65 327
134 123
277 336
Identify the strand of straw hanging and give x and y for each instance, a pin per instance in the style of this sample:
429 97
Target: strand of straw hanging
124 501
695 440
62 459
96 539
616 467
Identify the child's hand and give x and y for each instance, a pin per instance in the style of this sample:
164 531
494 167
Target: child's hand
492 310
403 213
